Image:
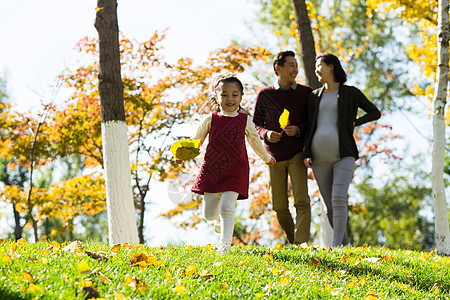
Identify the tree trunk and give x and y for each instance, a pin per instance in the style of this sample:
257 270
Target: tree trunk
442 232
308 60
119 197
18 229
141 220
307 45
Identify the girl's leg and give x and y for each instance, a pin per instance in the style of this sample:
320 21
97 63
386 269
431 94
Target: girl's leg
211 206
226 212
342 176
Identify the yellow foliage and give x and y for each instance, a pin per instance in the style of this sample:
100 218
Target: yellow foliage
284 118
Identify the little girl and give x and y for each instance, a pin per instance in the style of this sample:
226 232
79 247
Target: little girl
224 175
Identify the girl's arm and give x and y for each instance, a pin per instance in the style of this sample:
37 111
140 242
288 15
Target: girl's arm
203 129
255 142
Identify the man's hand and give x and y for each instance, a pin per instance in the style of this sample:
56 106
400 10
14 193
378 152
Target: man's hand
273 136
291 130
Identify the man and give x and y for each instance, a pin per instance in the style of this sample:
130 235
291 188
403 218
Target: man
286 144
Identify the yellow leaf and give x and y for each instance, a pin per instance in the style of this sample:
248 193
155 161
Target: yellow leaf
116 248
27 276
180 289
185 149
56 247
168 276
259 295
84 268
208 247
278 246
34 288
119 296
98 8
86 283
224 286
190 270
326 287
284 118
7 258
284 281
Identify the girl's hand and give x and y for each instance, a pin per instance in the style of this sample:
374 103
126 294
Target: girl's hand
307 162
272 161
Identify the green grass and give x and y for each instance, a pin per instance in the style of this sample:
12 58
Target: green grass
43 271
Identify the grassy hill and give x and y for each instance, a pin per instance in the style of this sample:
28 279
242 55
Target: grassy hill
48 270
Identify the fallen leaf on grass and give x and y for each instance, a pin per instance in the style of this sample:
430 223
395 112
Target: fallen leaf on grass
190 270
90 292
116 248
313 262
56 247
84 268
168 276
33 288
96 256
27 276
371 259
7 258
74 247
86 283
180 289
104 278
119 296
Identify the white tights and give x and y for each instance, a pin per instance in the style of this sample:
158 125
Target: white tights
221 206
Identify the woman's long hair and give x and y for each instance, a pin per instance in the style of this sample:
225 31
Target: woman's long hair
330 59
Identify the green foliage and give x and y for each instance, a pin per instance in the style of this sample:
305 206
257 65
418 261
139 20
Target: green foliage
44 271
395 215
368 44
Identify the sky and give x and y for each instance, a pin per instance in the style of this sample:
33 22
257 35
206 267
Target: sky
39 37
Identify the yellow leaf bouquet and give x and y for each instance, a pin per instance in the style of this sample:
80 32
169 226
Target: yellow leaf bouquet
185 149
284 118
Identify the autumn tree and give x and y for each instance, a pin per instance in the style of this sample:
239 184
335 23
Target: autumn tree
159 97
9 177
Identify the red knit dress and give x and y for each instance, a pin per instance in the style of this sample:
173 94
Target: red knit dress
225 165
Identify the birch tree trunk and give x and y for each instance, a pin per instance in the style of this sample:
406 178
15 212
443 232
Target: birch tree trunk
442 232
119 196
308 60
